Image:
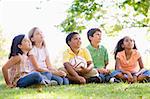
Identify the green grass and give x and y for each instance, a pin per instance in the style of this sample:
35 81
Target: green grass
88 91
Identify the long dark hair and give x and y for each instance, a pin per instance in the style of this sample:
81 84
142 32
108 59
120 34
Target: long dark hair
119 48
15 50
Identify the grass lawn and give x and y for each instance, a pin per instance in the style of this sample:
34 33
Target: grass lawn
88 91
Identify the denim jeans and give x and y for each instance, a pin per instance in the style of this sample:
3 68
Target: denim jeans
60 80
65 81
105 77
47 75
30 79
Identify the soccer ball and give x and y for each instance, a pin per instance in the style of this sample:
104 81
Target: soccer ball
78 62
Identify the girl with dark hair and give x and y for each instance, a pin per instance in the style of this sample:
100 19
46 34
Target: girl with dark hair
16 72
127 57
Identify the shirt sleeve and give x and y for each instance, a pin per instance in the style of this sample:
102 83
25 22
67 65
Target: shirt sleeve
118 55
87 55
66 57
137 55
106 55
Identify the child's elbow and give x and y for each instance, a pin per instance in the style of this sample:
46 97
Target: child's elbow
4 69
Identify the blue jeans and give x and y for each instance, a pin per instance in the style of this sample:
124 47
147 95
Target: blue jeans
116 72
65 81
50 76
105 77
47 75
30 79
58 79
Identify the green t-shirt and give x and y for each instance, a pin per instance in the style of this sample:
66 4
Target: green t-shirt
99 56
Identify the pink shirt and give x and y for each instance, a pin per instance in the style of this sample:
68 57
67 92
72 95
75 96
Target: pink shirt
19 70
131 64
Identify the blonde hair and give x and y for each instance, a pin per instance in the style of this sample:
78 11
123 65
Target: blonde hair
31 33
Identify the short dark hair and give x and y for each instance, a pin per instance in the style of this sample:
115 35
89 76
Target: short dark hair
15 50
70 36
91 32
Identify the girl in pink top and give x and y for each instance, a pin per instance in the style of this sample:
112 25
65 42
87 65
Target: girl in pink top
16 70
127 57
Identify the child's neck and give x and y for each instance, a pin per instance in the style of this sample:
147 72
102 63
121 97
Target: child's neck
128 53
75 50
95 45
38 45
24 52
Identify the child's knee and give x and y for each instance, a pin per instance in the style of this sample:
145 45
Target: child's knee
119 75
48 74
141 77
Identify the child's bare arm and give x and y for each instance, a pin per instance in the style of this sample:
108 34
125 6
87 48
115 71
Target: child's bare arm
14 60
90 65
35 64
70 69
106 63
117 64
54 70
140 63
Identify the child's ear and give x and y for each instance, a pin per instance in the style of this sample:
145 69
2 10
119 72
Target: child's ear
69 42
122 46
90 37
32 39
19 46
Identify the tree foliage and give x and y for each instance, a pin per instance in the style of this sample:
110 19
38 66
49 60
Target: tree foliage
111 15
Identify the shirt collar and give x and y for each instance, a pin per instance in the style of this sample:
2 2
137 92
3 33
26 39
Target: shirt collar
71 52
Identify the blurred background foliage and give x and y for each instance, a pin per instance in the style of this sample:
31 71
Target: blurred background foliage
110 15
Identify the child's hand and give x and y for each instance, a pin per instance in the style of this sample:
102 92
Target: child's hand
61 73
134 79
81 80
130 77
103 71
10 85
84 71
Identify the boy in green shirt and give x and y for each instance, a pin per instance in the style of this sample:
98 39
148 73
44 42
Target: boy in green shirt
99 53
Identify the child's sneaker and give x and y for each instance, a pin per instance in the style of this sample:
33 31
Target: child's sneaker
114 80
47 82
53 83
94 79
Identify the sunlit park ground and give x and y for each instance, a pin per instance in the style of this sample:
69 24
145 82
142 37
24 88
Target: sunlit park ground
88 91
17 17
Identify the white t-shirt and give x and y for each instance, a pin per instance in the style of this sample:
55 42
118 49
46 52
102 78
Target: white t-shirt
40 54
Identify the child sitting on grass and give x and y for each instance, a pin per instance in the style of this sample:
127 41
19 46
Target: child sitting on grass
39 58
82 74
99 54
127 57
16 71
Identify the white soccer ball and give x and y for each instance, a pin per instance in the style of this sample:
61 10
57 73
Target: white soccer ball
78 62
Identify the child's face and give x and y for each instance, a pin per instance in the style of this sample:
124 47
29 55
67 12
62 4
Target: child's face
75 41
96 37
37 36
128 43
26 44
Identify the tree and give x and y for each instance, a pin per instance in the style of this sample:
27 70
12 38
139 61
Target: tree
111 15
